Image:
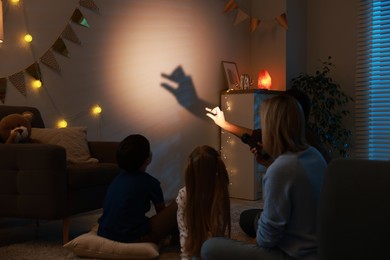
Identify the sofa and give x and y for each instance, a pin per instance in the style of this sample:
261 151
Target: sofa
37 180
354 210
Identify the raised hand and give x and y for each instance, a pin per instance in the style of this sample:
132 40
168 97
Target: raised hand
217 115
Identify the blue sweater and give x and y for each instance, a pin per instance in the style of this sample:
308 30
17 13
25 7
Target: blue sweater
292 187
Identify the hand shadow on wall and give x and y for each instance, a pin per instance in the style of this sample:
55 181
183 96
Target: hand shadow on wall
185 93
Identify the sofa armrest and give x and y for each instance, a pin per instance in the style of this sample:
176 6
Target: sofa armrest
33 180
104 151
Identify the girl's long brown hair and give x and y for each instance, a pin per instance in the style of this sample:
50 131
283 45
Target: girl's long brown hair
207 212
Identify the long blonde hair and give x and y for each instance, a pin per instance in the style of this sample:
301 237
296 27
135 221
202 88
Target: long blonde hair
282 125
207 211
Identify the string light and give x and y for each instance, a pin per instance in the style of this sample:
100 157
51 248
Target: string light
34 71
62 123
37 84
96 110
28 38
229 144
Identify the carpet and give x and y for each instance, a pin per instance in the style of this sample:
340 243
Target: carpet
22 239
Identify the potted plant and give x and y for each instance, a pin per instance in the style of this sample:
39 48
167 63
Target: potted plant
328 107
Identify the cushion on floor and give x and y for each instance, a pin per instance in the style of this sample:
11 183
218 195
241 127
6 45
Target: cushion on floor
94 246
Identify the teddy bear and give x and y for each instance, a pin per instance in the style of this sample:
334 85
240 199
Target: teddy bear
16 128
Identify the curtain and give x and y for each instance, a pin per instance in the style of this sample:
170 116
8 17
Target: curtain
373 80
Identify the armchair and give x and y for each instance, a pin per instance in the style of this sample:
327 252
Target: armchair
354 210
36 181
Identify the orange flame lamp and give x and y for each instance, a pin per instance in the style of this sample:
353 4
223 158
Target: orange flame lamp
264 81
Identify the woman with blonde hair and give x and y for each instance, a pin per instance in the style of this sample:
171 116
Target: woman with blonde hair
203 204
286 228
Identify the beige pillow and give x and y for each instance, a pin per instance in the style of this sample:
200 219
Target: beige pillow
93 246
73 139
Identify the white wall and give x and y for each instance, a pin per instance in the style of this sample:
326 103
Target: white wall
120 63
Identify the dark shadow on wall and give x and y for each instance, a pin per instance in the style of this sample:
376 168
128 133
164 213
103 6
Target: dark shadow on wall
185 93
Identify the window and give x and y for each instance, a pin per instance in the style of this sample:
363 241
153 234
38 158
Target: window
373 80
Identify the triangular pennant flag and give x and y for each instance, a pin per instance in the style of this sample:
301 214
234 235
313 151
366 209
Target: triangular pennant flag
3 89
78 18
70 35
49 60
241 16
34 71
18 81
230 6
282 20
60 47
254 22
90 4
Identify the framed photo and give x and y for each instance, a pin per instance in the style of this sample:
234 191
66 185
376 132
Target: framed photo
231 74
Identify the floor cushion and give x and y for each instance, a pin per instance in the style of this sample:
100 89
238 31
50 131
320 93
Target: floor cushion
94 246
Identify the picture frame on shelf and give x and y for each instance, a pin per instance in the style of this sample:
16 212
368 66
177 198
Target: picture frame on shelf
231 74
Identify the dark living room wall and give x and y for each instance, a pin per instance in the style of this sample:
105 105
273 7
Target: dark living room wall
296 43
129 45
322 28
121 61
331 31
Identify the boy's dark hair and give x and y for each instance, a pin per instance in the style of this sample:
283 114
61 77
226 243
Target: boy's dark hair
133 151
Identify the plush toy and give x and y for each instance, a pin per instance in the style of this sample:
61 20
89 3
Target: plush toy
16 128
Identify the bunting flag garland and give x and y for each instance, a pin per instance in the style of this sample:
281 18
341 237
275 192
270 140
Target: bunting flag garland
282 20
241 16
79 18
70 35
230 6
90 4
253 21
34 71
48 58
3 89
60 47
19 82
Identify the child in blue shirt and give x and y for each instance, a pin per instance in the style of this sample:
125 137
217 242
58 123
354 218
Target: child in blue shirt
129 198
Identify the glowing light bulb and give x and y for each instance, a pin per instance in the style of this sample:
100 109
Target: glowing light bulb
62 123
97 110
15 1
37 84
28 38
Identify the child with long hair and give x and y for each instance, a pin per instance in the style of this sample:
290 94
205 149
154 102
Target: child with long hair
203 204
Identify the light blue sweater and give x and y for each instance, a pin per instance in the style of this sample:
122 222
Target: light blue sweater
292 187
